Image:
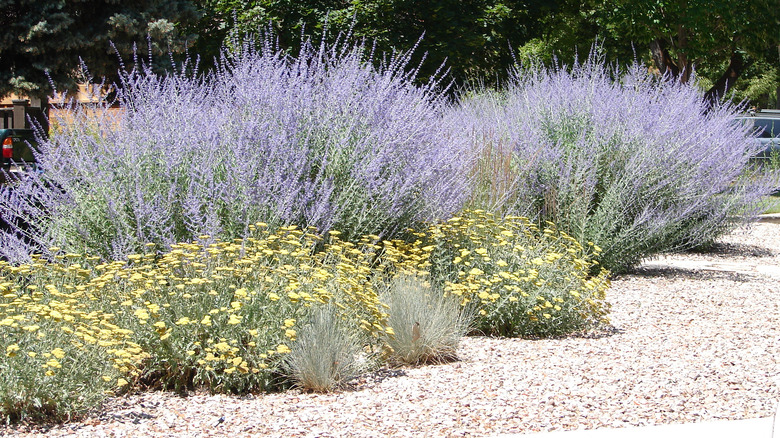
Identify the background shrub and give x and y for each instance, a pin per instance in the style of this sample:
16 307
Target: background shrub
324 139
631 162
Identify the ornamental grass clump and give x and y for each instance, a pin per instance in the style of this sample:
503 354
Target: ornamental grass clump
522 281
634 163
328 352
324 139
426 324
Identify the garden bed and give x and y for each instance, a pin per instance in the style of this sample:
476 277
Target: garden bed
685 345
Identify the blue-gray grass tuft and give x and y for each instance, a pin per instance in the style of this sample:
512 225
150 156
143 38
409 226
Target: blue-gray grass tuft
427 325
326 354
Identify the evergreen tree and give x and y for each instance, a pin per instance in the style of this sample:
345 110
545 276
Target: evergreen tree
43 40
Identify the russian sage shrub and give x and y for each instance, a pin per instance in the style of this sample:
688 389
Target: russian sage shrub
623 159
325 139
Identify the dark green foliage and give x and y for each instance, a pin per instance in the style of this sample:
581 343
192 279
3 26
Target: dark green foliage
473 36
480 39
731 45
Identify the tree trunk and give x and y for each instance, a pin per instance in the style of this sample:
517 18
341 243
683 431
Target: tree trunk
683 62
663 61
726 81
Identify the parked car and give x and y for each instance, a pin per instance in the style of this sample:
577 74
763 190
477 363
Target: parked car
17 149
767 122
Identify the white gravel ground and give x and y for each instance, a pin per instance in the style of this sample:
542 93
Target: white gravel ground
695 337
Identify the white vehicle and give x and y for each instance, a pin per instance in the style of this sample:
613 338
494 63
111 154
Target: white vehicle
767 124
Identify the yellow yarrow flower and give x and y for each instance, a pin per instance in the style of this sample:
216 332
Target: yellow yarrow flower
11 350
234 320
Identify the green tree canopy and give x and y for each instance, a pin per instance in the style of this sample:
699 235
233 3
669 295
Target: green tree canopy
718 38
724 41
44 39
473 36
733 45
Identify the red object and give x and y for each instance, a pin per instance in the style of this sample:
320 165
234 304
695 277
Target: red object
8 148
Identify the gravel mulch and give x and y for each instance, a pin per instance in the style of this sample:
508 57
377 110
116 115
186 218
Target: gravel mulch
694 337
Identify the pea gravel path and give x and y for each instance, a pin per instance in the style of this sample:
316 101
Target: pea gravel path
695 337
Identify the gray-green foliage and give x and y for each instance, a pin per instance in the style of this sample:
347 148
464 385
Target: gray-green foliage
51 387
327 352
427 324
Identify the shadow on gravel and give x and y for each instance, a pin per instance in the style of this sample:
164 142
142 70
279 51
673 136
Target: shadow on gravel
723 249
372 378
674 273
600 333
604 331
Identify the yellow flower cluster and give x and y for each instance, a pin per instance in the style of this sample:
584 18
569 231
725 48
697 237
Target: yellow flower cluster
185 305
46 322
524 281
225 313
